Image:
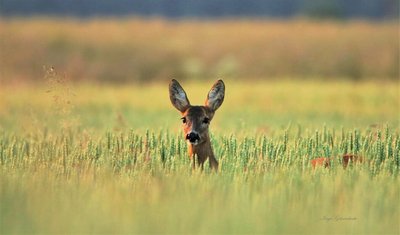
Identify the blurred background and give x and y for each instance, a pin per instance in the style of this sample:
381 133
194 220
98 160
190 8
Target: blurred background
299 61
141 40
339 9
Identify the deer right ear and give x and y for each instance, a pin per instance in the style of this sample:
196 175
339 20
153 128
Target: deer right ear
178 96
216 95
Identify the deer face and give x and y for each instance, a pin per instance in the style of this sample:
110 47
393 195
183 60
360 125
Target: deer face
196 119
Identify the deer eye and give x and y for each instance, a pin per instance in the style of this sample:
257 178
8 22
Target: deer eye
183 120
206 120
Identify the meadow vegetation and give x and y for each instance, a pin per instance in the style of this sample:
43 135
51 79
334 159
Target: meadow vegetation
80 159
80 156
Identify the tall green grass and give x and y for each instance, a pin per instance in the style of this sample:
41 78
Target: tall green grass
78 159
124 182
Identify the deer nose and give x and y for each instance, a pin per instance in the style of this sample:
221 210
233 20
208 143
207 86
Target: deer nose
193 137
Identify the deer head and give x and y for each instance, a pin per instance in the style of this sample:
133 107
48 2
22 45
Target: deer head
196 119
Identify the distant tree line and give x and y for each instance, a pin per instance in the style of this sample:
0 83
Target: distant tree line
341 9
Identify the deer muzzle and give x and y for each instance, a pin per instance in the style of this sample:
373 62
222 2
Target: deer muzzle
193 137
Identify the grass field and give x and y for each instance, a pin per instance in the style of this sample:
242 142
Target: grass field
94 146
111 159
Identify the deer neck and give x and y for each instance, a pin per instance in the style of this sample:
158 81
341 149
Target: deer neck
202 150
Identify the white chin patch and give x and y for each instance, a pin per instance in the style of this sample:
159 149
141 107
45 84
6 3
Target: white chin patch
193 143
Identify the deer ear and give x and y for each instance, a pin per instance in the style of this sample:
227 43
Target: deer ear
178 96
216 95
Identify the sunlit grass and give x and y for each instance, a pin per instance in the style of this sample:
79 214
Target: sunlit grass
249 107
76 158
79 156
129 183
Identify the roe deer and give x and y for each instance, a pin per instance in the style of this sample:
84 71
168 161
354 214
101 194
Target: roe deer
196 120
346 160
321 161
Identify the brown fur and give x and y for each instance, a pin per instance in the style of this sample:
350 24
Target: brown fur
321 161
351 158
195 117
346 160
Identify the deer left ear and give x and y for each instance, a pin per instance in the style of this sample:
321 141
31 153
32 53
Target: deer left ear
216 95
178 96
